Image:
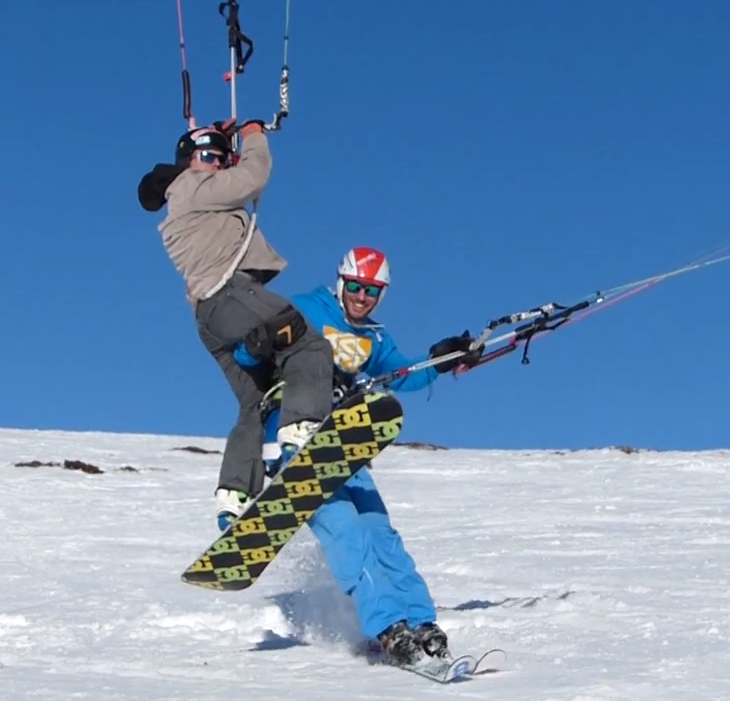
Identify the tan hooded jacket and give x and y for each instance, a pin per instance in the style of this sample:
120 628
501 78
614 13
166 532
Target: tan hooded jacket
208 233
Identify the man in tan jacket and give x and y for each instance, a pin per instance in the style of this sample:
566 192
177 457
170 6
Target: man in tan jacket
226 262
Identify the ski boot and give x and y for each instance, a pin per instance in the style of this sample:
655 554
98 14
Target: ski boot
401 645
433 640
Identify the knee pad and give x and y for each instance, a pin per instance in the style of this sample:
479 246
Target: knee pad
276 333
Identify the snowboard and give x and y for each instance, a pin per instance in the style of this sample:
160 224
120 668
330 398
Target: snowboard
356 431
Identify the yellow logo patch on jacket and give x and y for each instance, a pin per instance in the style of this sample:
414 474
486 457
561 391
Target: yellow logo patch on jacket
350 351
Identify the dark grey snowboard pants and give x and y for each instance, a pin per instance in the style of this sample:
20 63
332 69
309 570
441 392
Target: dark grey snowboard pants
306 366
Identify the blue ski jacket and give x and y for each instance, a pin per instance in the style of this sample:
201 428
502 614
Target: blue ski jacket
366 348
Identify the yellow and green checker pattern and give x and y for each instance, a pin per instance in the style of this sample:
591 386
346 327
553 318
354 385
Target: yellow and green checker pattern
354 434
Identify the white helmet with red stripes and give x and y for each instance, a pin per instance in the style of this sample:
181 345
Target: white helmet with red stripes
365 264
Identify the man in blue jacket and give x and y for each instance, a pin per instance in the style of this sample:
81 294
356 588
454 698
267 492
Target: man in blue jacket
366 555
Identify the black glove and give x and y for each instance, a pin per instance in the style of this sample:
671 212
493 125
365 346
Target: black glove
342 386
249 127
342 380
226 126
450 345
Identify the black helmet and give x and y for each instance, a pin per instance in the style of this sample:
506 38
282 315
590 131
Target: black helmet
199 139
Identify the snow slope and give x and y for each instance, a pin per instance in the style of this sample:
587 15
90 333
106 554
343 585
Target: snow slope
605 576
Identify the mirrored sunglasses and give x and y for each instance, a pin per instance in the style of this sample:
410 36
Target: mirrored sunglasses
353 286
212 157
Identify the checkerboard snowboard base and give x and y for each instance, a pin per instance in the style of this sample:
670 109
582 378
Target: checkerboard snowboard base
348 439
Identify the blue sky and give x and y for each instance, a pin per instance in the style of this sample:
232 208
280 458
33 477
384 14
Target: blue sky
503 154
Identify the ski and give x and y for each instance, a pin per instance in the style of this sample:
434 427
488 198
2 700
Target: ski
458 669
445 671
442 671
490 662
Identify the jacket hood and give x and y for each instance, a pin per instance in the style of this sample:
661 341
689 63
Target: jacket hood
153 185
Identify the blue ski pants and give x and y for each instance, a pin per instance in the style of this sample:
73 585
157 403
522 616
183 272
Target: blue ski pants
366 555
